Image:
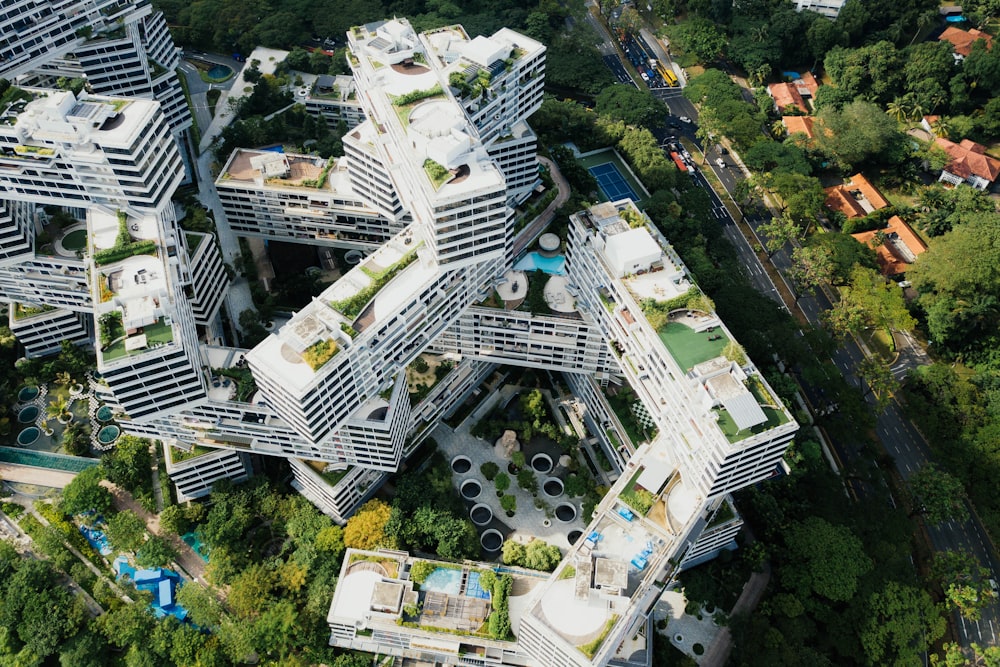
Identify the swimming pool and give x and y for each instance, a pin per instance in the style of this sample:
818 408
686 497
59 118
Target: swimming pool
473 589
954 19
443 580
97 539
554 266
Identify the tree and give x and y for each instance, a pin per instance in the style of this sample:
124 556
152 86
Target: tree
513 552
965 582
939 495
85 493
76 439
509 504
489 469
868 302
539 555
824 559
366 529
877 374
502 482
699 37
901 623
527 480
155 552
126 530
860 133
778 232
204 609
129 464
250 592
128 625
172 520
811 267
86 649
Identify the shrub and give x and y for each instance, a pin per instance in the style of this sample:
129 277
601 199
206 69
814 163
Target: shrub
420 570
319 353
527 480
502 481
509 504
489 470
416 96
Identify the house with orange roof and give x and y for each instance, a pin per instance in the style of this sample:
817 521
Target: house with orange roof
962 40
855 198
799 125
900 246
786 95
968 163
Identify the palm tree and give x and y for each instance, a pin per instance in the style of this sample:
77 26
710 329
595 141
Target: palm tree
897 110
58 408
941 127
778 129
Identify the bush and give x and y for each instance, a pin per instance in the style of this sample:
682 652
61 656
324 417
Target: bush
502 481
420 365
420 570
527 480
489 470
509 504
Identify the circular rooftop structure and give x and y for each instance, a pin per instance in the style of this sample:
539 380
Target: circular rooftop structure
435 119
577 621
549 242
681 502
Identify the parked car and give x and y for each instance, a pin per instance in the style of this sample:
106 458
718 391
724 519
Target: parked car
684 119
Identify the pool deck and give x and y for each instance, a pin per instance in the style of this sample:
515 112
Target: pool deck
56 479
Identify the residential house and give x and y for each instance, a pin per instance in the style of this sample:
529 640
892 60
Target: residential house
968 163
899 248
855 198
962 40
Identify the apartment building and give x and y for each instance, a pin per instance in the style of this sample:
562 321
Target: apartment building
122 48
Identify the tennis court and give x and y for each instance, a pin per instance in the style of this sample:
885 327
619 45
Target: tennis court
612 183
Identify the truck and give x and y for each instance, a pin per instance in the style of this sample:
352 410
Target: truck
665 72
681 167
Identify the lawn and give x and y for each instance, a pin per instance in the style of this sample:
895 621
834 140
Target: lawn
75 240
688 347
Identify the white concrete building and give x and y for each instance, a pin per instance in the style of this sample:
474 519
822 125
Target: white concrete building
120 47
828 8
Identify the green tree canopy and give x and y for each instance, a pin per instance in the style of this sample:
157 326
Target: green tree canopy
941 496
366 529
901 623
824 559
85 493
869 302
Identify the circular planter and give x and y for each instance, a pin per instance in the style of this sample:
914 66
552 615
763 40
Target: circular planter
565 512
108 434
574 535
553 487
104 414
471 489
492 539
461 464
481 514
65 418
353 257
542 463
27 393
546 523
76 390
28 436
28 415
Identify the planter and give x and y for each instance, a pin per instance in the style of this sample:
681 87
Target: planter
541 463
566 512
461 464
553 487
471 489
481 514
65 418
546 523
491 539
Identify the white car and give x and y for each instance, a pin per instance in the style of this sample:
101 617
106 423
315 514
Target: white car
684 119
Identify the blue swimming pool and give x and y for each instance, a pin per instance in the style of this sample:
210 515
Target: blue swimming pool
473 589
443 580
554 266
954 19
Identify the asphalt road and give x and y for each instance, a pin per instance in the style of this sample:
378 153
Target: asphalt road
898 435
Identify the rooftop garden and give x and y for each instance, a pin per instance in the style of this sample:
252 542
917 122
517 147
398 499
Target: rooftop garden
436 172
590 649
636 497
351 306
156 334
725 513
124 246
246 387
178 455
333 477
320 352
193 241
775 417
22 149
22 311
415 96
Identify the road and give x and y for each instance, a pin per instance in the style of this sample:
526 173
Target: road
899 437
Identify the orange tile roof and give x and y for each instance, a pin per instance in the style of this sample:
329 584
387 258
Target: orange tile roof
892 259
810 81
842 197
962 40
785 94
969 158
803 124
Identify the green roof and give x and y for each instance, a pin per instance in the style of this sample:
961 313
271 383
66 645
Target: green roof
690 348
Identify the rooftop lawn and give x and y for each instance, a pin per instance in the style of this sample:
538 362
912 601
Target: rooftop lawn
178 455
157 333
689 348
775 417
